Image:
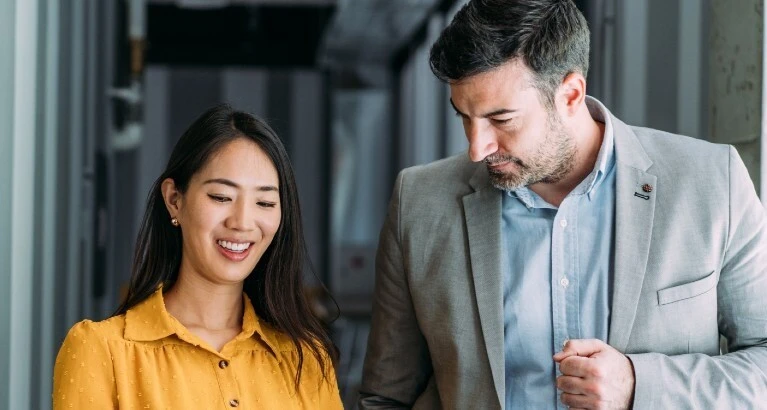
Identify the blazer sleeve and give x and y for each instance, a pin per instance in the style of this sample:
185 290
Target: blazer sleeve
83 376
737 379
397 364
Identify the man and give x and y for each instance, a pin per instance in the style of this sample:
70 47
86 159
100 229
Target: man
571 260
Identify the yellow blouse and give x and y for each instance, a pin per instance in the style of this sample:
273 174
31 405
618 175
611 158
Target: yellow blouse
145 359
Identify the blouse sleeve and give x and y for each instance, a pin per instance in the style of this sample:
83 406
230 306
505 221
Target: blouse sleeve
315 391
83 376
325 389
329 396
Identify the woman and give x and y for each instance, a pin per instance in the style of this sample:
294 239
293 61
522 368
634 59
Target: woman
215 316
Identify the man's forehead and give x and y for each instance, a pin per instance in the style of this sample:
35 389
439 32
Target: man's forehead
483 93
511 70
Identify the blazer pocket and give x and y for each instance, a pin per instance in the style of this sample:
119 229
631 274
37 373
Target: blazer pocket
688 290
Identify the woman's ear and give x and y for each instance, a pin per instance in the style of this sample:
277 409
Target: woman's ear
172 197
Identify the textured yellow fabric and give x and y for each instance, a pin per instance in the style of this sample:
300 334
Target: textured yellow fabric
145 359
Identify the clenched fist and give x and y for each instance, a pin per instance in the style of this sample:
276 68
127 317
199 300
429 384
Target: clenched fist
594 376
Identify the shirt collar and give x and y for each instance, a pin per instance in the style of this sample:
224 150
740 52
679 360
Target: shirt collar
150 321
606 156
603 164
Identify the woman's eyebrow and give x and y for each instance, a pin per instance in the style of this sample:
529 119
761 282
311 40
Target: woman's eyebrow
228 182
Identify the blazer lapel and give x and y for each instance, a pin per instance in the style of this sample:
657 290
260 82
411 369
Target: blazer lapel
483 221
634 210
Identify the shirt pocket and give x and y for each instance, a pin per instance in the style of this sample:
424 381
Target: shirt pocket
688 290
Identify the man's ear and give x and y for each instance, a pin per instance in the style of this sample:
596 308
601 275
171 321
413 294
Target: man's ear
172 197
571 94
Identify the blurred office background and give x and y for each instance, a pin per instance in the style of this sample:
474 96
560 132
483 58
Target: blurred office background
96 92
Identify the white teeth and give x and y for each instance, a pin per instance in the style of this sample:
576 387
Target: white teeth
234 247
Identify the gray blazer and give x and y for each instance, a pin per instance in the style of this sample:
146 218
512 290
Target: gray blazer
690 263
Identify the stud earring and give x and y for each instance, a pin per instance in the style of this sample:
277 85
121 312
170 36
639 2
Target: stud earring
174 221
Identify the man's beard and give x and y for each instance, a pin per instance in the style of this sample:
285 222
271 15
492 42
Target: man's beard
551 162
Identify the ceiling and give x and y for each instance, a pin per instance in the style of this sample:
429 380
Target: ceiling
225 3
308 33
371 31
235 35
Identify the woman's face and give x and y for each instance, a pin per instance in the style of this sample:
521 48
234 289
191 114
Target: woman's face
229 214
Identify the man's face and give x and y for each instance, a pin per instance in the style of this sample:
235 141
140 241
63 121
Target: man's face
509 128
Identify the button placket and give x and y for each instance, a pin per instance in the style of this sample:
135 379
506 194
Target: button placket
570 275
227 382
559 264
564 278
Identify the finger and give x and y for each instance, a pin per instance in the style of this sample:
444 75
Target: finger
572 385
582 347
577 366
578 401
559 356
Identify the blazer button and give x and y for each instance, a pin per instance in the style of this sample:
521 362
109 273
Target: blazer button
234 402
223 364
647 188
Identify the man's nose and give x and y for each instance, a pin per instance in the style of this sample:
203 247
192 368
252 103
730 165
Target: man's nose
482 142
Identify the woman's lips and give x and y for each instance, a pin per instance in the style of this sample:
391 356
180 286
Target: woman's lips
234 250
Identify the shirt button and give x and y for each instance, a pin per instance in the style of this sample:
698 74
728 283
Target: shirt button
563 223
234 402
223 364
564 282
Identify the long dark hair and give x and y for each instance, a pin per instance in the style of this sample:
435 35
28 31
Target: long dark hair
275 286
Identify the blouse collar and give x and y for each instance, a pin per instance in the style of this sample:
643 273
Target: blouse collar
150 321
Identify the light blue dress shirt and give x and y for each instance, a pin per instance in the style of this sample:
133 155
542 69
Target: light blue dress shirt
558 277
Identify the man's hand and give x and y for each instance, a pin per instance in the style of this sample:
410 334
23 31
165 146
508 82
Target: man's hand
594 376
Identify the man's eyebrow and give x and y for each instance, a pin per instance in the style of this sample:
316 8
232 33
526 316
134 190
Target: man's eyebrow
500 111
457 111
227 182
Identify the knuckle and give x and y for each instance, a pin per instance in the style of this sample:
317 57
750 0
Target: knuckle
597 372
594 389
568 399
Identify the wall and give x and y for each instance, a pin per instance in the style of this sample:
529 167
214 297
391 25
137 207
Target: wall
18 67
735 108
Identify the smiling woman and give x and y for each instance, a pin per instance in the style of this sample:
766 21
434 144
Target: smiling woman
215 314
228 214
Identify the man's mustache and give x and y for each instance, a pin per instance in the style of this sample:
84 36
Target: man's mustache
498 158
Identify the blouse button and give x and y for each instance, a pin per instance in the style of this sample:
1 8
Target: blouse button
223 364
234 402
